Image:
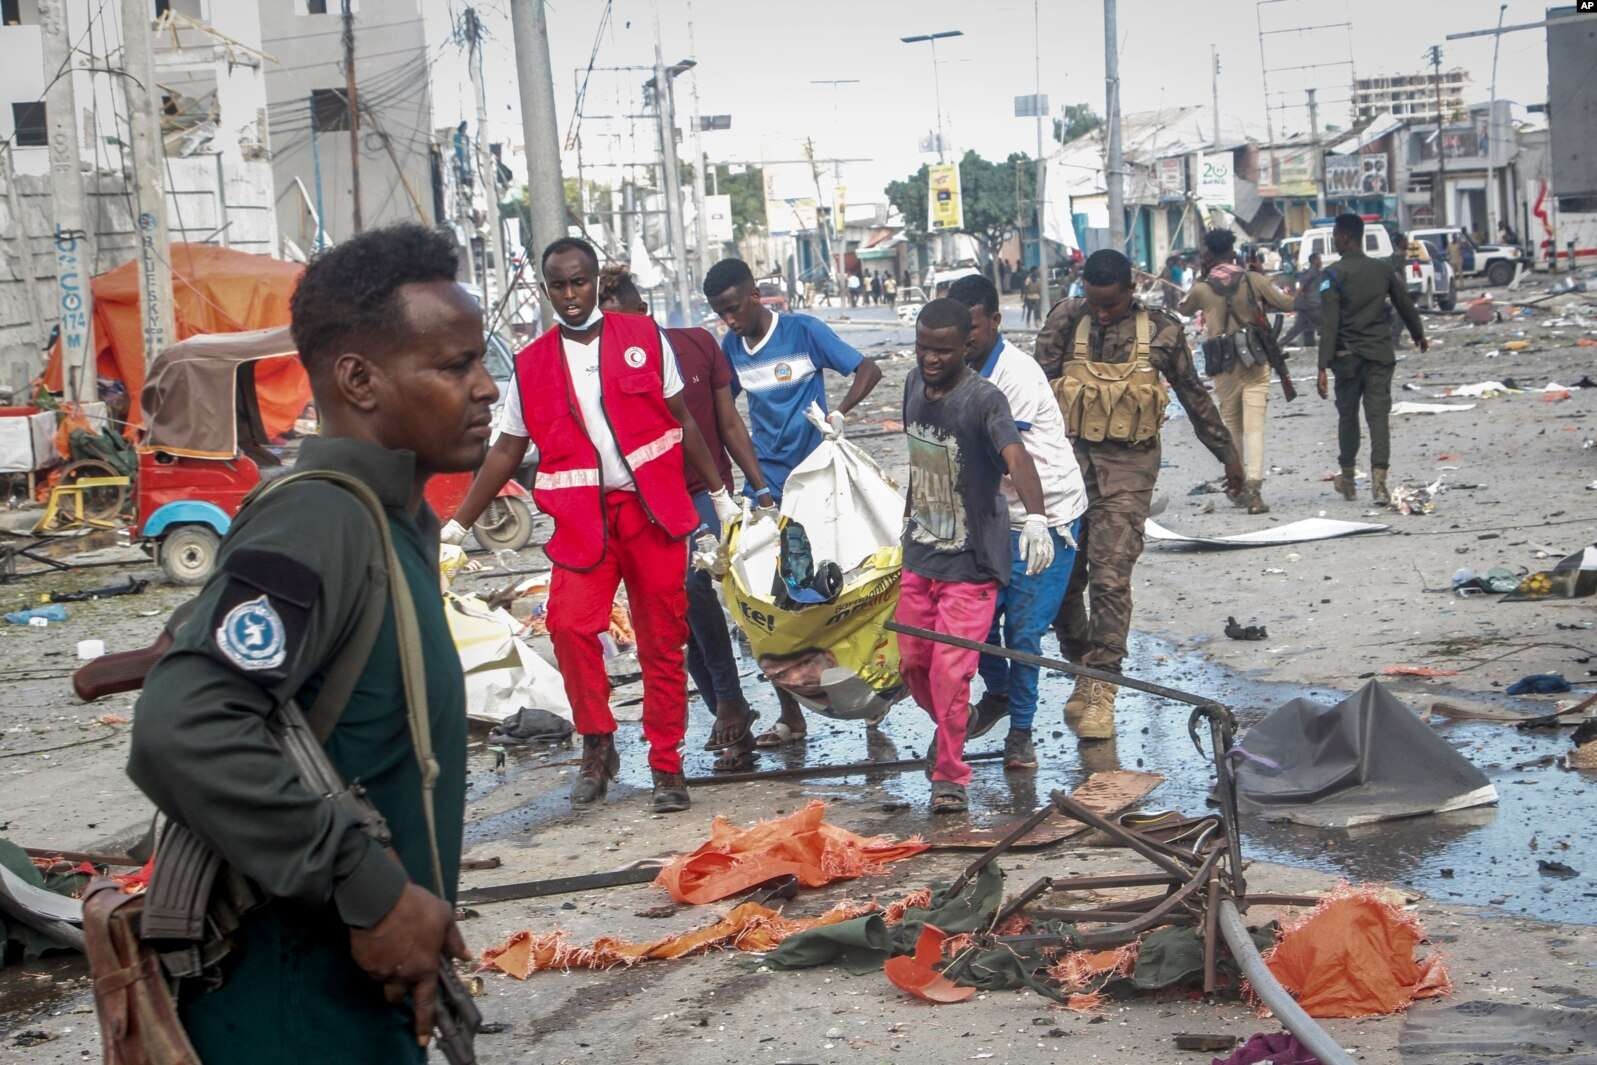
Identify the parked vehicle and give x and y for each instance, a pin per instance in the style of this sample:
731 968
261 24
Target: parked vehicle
772 293
1429 276
910 300
1498 263
1377 244
204 449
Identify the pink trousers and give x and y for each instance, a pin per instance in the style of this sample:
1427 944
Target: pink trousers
939 675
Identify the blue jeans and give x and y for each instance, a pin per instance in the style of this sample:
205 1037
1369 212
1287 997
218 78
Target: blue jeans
710 662
1026 608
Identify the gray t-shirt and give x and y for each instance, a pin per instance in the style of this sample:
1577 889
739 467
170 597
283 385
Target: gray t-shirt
958 526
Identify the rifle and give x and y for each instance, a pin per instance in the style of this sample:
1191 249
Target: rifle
1269 338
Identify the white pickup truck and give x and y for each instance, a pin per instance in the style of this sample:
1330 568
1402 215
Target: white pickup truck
1498 263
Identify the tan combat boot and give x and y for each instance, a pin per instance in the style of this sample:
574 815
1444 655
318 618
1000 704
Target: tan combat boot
1346 483
1098 720
1583 757
1378 489
1076 705
1253 498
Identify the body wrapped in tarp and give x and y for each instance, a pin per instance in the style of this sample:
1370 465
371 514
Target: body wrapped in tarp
835 656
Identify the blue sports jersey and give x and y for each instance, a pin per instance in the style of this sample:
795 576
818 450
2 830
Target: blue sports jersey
782 377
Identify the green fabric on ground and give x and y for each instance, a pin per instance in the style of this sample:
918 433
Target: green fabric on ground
865 943
1173 957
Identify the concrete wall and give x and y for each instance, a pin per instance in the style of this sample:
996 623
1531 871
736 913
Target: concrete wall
393 71
203 194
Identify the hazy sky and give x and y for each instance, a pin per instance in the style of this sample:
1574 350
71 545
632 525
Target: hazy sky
757 59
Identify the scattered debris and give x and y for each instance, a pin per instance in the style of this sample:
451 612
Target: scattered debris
1244 632
1539 684
1269 1048
1411 499
110 591
1574 577
1410 407
1558 869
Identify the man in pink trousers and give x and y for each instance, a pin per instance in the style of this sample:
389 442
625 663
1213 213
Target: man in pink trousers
962 440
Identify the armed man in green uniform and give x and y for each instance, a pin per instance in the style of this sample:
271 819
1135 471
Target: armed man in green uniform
340 964
1356 345
1108 358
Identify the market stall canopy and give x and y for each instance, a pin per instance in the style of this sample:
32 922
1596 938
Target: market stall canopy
214 290
199 389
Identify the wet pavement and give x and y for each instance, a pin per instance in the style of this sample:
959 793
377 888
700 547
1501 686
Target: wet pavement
1486 856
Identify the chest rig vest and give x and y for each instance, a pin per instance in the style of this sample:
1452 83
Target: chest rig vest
1122 402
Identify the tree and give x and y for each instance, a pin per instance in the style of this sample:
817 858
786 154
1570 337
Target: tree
995 197
1079 120
598 199
747 191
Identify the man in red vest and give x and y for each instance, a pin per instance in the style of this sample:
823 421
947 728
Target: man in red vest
599 397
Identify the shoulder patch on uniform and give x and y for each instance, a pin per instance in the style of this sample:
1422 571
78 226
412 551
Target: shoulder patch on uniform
1326 284
252 636
275 574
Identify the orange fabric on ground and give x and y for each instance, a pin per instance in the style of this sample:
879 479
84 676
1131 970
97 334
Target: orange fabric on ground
749 927
1354 957
734 859
214 290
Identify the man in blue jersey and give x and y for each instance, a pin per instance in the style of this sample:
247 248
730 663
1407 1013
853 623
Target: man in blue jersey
778 359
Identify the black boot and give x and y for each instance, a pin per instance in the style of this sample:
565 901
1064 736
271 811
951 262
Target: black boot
670 793
601 763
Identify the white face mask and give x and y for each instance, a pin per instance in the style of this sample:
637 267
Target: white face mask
594 319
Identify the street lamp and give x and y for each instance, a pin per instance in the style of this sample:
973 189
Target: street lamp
839 252
937 90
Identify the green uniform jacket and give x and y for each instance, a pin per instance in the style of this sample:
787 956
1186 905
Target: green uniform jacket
288 589
1353 304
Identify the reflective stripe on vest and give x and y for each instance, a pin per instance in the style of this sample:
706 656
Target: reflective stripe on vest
588 478
660 446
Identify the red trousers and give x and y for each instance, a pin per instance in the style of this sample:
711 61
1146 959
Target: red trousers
653 567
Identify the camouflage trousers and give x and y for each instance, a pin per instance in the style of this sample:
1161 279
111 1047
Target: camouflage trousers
1096 615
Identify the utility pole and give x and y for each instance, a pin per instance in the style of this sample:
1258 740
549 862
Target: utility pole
1041 180
22 253
839 260
352 101
1214 64
144 116
487 168
1491 133
673 178
1439 194
705 261
1113 164
70 240
1319 156
546 193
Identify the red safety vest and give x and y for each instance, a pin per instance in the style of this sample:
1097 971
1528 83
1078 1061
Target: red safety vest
568 484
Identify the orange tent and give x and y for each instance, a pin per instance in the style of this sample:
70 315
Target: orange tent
214 290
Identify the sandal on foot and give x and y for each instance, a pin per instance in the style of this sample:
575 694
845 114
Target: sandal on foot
779 735
734 760
743 735
948 797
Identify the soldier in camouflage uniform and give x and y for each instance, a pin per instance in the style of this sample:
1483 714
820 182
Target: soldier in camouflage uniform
1108 358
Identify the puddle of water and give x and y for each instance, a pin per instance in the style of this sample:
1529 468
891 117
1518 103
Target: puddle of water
1476 857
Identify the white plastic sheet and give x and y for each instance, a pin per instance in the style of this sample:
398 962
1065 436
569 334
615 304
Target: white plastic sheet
1297 532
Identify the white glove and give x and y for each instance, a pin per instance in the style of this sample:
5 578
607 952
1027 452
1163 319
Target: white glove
1070 541
453 533
767 510
707 553
725 508
835 421
1036 545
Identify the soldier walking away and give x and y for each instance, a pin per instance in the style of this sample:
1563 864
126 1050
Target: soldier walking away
1230 299
600 396
1028 604
1357 297
707 392
779 360
1108 357
957 547
1306 303
340 963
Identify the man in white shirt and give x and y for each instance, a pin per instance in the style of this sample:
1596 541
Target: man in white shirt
1028 604
599 398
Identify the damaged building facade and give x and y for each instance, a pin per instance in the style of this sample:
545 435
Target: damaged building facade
218 172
